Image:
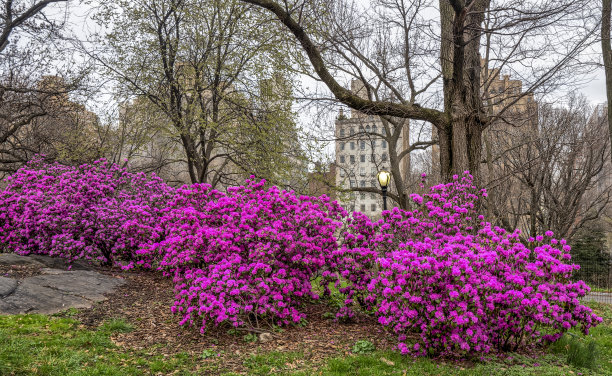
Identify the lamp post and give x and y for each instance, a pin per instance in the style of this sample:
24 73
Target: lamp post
384 178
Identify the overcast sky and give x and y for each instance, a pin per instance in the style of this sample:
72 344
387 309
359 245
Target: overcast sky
81 25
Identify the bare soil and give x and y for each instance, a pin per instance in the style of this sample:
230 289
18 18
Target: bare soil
145 301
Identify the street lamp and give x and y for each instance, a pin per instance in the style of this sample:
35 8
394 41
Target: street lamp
384 178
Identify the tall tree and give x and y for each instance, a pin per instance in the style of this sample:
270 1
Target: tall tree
204 67
606 49
403 47
17 15
556 175
32 119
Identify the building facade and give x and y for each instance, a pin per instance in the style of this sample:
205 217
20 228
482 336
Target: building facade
362 150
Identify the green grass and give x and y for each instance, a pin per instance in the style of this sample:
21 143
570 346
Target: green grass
43 345
274 363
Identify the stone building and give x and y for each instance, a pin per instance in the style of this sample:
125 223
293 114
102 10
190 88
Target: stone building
361 153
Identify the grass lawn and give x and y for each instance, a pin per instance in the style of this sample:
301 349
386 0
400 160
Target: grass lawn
60 345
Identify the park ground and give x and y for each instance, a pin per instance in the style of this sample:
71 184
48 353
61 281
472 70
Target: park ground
133 332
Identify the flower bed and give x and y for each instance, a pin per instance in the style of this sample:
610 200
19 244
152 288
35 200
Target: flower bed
249 257
462 285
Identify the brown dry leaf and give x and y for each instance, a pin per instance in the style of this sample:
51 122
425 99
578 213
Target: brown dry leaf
387 361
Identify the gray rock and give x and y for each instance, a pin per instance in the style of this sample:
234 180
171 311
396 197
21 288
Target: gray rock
31 298
85 283
13 259
54 290
7 286
265 337
42 261
60 263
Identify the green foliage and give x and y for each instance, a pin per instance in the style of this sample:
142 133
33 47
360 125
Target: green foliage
37 344
590 251
208 353
222 92
363 347
273 363
116 325
303 323
250 338
583 354
43 345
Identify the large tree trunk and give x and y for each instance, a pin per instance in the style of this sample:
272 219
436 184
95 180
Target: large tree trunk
606 49
461 137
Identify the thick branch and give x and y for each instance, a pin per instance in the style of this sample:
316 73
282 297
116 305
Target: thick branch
11 24
607 58
380 108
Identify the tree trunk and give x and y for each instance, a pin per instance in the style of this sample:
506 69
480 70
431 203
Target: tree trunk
461 138
606 49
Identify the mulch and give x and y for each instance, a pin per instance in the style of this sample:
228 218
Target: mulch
19 271
145 301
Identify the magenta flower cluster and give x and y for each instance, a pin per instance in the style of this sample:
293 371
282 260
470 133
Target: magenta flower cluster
246 257
92 212
439 274
461 285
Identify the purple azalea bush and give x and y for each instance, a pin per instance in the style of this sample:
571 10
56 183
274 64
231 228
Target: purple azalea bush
439 274
461 285
247 257
91 212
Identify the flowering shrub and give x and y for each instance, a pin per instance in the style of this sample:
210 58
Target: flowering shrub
463 286
247 257
92 212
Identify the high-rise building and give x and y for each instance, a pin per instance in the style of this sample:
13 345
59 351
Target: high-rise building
516 111
361 152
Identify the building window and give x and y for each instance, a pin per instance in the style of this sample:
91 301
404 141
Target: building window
351 131
367 128
342 172
363 208
372 196
384 144
372 158
383 157
373 144
374 129
362 145
373 183
342 159
362 183
341 132
342 146
373 207
352 157
373 172
362 196
353 183
362 158
352 145
362 172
